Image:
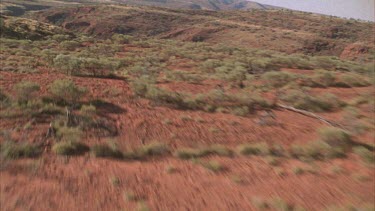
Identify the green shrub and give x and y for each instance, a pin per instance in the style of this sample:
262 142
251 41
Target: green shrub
88 110
70 65
60 37
241 111
277 79
154 149
301 100
282 205
68 133
130 196
106 151
69 148
277 150
115 181
140 86
188 153
121 39
25 91
13 150
220 150
260 203
335 137
354 80
272 161
213 166
254 149
323 77
66 91
316 150
96 67
70 45
365 154
51 109
4 99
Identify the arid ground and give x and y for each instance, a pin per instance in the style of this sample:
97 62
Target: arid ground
112 107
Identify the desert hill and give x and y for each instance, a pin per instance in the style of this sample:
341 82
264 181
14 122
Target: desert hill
107 106
20 7
285 31
201 4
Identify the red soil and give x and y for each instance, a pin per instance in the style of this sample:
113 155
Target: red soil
83 183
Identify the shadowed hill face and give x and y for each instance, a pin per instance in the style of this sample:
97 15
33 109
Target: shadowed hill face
285 31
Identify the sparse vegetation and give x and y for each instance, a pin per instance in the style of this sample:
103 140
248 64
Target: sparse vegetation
282 205
66 91
366 155
26 91
108 150
115 181
154 149
69 148
188 153
205 78
298 170
277 79
254 149
305 101
13 150
335 137
212 165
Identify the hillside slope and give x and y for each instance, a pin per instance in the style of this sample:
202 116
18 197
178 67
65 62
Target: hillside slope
201 4
285 31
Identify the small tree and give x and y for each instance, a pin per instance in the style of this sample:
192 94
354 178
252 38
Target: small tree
67 63
65 90
25 91
277 79
121 39
70 45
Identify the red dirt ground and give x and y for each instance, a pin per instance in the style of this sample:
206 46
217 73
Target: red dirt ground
83 183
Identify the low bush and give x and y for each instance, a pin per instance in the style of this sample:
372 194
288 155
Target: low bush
336 137
69 148
106 151
324 78
277 79
70 45
316 150
68 64
51 109
66 91
68 133
301 100
220 150
353 80
254 149
240 111
13 150
87 116
153 149
277 150
189 153
281 204
366 155
212 165
25 91
87 110
121 39
4 99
